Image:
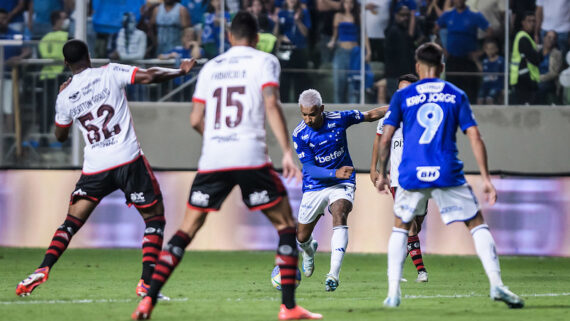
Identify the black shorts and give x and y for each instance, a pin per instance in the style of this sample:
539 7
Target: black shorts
260 188
135 179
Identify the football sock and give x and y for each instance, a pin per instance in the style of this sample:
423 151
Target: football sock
287 259
339 241
61 240
306 246
167 262
151 245
485 247
416 252
396 256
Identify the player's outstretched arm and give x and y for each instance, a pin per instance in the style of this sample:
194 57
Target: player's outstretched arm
61 133
480 152
375 114
279 128
159 74
373 171
383 183
197 117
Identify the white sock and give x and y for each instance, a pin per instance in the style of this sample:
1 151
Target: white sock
339 241
397 252
306 246
485 247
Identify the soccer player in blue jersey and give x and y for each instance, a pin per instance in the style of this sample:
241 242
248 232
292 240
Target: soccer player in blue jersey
430 111
328 176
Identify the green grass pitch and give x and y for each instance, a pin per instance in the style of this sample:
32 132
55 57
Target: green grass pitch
100 285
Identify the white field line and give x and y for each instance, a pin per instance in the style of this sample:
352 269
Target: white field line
412 297
83 301
452 296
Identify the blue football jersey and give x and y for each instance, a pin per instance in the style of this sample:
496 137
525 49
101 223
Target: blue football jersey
430 110
325 147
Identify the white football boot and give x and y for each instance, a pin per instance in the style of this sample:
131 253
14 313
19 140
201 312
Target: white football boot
502 293
422 276
331 283
309 260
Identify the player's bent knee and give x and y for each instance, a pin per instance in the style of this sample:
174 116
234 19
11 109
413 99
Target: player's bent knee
193 221
156 209
82 208
476 221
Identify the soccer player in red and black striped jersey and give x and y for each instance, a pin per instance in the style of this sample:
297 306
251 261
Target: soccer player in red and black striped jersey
94 98
234 94
414 248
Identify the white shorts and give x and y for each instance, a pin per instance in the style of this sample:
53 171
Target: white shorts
313 203
456 203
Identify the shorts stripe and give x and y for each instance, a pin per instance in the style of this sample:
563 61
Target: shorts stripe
207 171
267 205
202 209
146 205
74 198
155 185
277 180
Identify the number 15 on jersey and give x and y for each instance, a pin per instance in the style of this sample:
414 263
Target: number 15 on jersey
232 94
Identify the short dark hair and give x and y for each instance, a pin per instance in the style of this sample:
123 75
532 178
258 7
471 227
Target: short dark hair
526 14
55 16
491 40
3 11
244 26
430 53
75 50
411 78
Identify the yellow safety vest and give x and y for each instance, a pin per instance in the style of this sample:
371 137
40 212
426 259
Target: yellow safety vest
266 42
516 59
51 47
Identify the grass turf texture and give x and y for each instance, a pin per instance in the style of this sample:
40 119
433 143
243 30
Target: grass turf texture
100 285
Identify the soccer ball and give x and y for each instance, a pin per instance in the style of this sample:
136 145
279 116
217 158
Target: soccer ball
276 278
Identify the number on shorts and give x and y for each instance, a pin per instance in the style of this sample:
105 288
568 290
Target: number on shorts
429 116
93 134
230 102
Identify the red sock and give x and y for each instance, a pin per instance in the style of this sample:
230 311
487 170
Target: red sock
167 262
151 246
415 252
287 259
61 240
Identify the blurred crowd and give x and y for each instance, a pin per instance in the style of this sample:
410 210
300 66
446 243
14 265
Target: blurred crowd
325 36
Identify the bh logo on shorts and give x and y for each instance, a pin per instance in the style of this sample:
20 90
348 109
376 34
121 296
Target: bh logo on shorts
427 173
257 198
137 197
200 199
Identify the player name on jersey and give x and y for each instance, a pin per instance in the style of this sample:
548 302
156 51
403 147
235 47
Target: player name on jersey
430 98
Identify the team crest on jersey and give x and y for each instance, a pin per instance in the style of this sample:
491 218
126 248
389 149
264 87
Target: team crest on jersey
257 198
200 199
74 97
427 173
137 197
